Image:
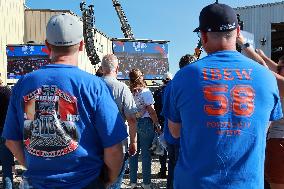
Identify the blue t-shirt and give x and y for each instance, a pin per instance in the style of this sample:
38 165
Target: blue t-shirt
65 118
167 135
224 103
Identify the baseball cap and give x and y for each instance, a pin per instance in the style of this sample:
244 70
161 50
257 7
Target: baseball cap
217 18
168 76
64 30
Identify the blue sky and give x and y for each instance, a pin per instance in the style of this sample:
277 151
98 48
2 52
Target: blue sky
172 20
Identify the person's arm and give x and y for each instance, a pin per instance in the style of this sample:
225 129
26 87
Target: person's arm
261 58
280 83
270 63
250 52
174 128
131 120
154 117
17 149
113 159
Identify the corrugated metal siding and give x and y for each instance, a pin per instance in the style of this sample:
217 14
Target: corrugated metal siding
12 29
257 20
35 23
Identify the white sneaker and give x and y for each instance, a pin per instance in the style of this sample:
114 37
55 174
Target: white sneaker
133 186
146 186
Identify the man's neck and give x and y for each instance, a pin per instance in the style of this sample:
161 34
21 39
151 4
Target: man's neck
110 75
68 60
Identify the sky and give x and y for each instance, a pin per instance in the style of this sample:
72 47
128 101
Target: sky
172 20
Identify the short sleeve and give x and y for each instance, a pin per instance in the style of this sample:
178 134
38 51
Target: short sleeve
109 123
170 109
129 103
148 97
276 113
12 126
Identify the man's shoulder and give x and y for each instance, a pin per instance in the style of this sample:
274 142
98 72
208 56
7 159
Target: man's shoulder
116 83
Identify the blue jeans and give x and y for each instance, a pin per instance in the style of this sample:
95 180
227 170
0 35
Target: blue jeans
163 162
173 153
7 160
145 136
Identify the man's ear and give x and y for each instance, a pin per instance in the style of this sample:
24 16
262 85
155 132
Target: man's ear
48 46
204 37
238 30
81 47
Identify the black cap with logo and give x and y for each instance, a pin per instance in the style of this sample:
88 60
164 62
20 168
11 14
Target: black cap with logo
217 18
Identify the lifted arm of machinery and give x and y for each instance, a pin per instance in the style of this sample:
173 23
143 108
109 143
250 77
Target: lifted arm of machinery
125 27
89 32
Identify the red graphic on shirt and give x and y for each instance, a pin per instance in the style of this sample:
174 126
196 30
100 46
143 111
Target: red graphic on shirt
50 122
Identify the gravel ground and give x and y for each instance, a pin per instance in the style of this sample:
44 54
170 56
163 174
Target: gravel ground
156 182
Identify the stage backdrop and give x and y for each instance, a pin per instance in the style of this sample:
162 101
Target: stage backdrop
23 59
151 58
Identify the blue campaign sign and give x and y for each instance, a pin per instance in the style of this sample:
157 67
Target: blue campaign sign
26 50
140 47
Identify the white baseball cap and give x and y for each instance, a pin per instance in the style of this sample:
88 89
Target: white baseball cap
64 30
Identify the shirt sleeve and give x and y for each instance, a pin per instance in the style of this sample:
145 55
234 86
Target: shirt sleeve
12 125
129 103
276 113
148 97
170 109
109 123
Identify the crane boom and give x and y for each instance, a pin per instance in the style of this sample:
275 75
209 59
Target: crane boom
125 26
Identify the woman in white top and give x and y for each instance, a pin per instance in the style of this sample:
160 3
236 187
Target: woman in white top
146 122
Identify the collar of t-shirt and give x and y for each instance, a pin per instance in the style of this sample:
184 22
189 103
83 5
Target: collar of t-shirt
58 66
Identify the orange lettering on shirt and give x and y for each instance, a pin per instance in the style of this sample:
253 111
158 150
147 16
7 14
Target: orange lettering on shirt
216 75
227 74
244 74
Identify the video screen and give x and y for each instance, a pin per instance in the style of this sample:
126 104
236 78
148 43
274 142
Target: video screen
151 58
23 59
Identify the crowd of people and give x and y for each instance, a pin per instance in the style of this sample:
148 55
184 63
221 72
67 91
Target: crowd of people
211 118
21 66
151 66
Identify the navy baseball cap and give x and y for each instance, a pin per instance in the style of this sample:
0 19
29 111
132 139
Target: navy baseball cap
217 18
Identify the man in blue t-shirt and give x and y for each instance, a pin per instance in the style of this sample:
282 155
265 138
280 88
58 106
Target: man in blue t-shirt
220 107
173 143
62 123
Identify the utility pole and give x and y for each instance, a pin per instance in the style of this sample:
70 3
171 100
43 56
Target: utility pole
216 1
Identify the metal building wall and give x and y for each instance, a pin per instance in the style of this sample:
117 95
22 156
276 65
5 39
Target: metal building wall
257 20
12 29
35 23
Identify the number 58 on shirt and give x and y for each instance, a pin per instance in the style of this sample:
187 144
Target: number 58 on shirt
239 100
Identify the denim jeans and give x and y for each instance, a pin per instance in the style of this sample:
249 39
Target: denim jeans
145 136
7 160
173 153
163 162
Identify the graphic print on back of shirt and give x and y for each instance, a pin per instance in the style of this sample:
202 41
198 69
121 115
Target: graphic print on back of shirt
223 100
50 122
